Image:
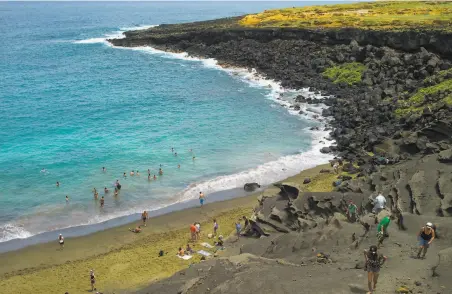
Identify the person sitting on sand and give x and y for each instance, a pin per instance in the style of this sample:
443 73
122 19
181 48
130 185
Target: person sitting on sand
374 261
102 201
382 230
426 236
136 230
61 241
144 217
220 241
106 190
188 249
181 251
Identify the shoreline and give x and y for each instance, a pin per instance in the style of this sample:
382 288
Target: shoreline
280 96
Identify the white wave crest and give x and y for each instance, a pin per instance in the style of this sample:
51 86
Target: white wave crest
114 35
11 231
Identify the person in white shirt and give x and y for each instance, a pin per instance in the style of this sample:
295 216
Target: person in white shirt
379 203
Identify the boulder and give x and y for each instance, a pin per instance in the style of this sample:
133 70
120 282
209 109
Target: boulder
307 181
445 156
250 187
325 150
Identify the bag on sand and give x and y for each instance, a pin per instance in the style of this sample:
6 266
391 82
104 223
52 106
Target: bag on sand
161 253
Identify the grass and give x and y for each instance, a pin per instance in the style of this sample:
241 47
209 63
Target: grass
403 15
347 73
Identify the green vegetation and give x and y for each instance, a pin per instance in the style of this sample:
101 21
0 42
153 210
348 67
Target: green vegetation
417 102
347 73
432 15
439 75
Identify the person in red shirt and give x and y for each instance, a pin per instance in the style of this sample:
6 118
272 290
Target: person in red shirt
193 232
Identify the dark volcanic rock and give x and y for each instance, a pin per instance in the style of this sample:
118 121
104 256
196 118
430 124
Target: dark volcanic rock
250 187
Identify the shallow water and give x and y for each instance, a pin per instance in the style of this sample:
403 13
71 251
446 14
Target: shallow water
71 105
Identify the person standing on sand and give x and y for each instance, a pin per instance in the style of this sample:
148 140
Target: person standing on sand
382 230
374 261
426 237
201 198
198 231
93 280
215 227
193 232
102 201
144 217
61 241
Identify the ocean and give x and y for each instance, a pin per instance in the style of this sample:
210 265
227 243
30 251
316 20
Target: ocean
72 104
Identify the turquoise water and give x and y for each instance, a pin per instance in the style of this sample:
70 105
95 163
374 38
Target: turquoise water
71 105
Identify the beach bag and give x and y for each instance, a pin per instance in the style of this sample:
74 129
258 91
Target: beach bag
161 253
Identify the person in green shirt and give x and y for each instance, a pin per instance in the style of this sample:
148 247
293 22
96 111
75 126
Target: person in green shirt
382 230
351 211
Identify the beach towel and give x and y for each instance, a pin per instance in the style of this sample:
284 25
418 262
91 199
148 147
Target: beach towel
185 257
207 245
205 253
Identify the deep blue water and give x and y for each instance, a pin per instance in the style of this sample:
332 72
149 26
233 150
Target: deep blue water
71 104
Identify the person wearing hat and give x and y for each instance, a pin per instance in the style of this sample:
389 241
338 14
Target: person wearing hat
426 237
373 263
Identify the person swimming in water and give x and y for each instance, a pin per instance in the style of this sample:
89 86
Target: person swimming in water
149 177
116 191
95 193
132 173
103 169
106 190
102 201
175 153
58 184
172 149
160 171
138 173
178 166
124 175
155 178
194 157
67 199
149 172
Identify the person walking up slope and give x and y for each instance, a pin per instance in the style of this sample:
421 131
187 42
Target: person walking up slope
426 237
374 261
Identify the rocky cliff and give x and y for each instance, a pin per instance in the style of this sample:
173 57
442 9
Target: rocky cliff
390 88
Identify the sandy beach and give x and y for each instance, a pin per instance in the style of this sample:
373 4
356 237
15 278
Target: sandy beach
123 260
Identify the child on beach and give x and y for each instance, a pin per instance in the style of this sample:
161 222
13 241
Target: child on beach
198 230
181 252
238 227
189 250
